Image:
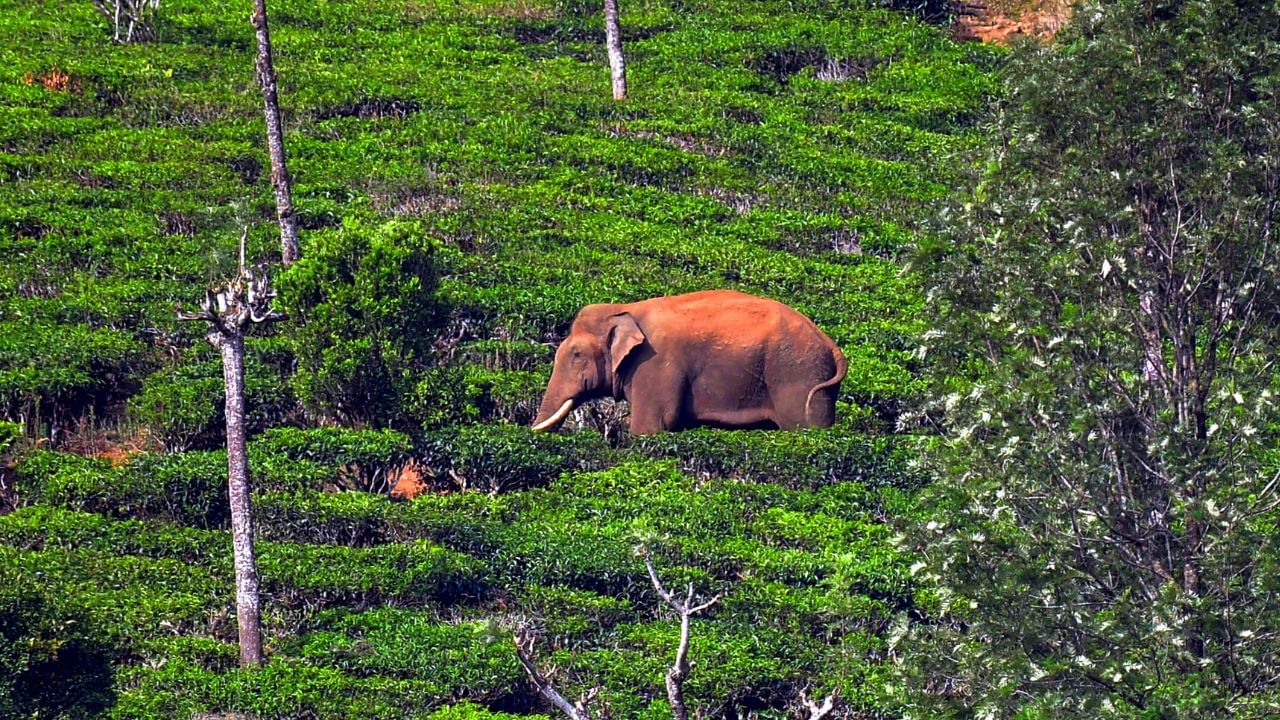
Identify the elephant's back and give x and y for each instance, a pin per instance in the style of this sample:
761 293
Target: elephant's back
726 313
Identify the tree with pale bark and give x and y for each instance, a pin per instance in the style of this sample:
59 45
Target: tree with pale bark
281 183
229 310
613 45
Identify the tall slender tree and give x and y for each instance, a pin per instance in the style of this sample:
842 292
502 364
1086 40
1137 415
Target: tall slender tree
229 310
613 43
280 180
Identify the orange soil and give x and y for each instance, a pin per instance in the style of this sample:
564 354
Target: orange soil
988 23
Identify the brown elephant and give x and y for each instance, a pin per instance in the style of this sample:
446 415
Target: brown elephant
719 358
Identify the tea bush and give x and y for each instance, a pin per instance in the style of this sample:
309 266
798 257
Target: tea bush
467 522
494 458
463 660
370 457
53 663
808 459
188 488
293 574
362 301
285 688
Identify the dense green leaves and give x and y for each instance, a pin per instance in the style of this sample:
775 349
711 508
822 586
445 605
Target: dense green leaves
1104 321
53 662
362 301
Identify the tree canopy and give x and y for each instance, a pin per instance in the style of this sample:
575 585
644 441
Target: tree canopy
1104 310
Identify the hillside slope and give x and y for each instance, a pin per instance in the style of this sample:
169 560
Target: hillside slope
783 148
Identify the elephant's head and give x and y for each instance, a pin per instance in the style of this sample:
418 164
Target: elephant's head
588 362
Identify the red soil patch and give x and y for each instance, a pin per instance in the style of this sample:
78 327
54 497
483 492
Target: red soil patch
54 79
989 22
408 482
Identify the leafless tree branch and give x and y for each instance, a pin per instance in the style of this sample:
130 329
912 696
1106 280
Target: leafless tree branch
524 639
679 671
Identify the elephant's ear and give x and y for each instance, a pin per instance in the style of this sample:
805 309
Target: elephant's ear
624 336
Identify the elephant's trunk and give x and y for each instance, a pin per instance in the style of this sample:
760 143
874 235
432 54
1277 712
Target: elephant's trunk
556 418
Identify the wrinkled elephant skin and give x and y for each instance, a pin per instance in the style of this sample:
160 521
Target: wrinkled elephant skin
717 358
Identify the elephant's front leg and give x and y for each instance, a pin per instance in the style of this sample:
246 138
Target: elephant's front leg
657 402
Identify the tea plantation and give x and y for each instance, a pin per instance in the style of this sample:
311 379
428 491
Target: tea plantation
465 183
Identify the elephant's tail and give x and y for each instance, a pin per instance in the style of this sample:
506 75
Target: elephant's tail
842 366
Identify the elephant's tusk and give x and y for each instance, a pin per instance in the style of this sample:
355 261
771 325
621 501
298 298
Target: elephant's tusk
555 419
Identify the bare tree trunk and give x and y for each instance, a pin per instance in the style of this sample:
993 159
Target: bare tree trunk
248 609
613 41
275 138
228 310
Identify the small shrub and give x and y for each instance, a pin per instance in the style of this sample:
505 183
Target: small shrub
363 303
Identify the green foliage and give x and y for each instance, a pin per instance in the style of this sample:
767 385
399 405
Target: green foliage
293 575
1102 532
808 459
370 457
464 660
494 458
457 395
363 305
188 488
469 711
468 523
284 688
56 373
10 434
181 405
53 663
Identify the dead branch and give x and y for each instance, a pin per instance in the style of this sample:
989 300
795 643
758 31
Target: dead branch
679 671
524 639
816 711
237 303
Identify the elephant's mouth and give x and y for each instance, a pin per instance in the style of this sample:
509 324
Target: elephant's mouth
555 418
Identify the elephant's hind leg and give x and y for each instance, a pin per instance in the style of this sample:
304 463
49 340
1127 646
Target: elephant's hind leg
791 414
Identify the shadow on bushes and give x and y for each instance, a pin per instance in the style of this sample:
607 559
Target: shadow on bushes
51 663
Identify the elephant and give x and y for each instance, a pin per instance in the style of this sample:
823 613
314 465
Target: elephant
717 358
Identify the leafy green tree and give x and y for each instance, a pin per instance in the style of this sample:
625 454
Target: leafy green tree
363 303
1104 542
